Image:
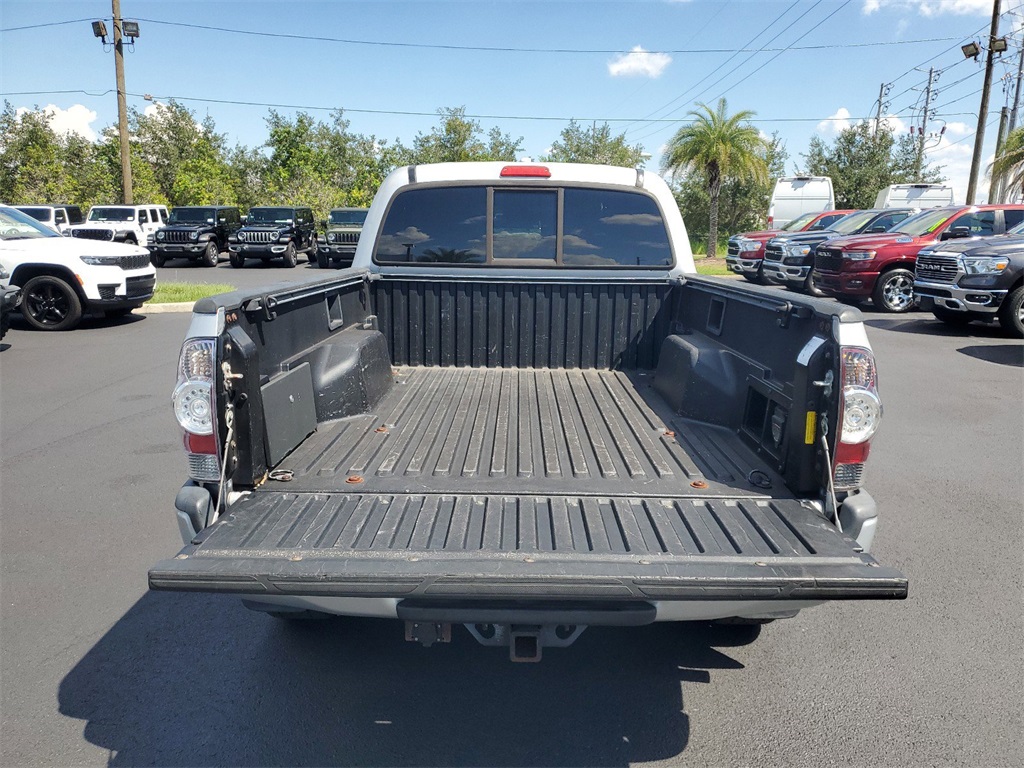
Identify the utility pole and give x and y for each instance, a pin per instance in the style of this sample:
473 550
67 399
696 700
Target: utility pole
883 91
979 134
995 186
1016 91
919 162
122 106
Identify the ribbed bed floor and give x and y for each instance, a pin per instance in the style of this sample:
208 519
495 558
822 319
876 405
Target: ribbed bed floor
524 431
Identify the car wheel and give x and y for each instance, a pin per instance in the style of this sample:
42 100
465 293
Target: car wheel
290 256
322 259
311 254
211 255
130 240
1011 313
237 260
894 291
810 288
951 317
757 278
50 304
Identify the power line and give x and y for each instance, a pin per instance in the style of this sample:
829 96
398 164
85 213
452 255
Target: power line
49 24
685 93
412 113
764 64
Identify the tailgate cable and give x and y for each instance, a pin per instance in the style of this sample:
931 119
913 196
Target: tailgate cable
229 418
828 464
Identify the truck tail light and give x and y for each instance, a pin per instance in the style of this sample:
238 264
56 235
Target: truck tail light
194 407
860 413
526 171
771 222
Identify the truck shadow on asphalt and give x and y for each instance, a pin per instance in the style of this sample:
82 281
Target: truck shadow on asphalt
195 680
1011 354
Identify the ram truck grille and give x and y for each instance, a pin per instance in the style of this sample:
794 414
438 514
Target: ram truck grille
828 260
933 268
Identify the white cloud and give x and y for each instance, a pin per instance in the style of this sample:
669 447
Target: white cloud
639 62
930 7
836 123
75 119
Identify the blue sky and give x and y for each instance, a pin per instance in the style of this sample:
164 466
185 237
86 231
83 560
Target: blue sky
631 63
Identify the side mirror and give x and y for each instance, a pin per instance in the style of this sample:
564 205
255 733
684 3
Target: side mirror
323 223
245 220
956 233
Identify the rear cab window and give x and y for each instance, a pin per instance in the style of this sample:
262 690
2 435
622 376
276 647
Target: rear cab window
517 226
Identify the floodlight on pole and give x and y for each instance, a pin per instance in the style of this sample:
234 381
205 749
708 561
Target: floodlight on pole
130 29
971 51
99 29
998 45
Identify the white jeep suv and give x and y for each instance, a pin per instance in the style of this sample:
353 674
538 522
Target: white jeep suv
62 278
132 224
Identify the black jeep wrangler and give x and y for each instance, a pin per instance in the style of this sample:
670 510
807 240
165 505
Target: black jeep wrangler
272 232
343 228
196 233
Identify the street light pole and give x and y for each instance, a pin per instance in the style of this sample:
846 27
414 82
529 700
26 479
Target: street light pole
979 134
122 106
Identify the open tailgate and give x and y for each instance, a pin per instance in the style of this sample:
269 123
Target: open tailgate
551 547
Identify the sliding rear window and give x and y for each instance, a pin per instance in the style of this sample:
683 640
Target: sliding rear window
515 226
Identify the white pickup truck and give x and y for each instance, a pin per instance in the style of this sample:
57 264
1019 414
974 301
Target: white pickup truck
521 411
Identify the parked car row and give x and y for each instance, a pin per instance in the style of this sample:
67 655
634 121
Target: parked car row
873 254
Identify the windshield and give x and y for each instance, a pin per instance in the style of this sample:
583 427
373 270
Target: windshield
111 214
39 214
925 222
348 217
270 215
797 224
15 225
1018 230
191 216
852 223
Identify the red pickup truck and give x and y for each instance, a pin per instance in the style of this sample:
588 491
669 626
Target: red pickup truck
881 267
745 254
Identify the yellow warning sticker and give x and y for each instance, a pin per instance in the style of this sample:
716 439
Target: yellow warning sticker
809 429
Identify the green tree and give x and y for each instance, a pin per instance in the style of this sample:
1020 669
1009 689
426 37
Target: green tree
457 139
862 161
187 159
39 166
1010 163
719 147
145 186
594 145
743 202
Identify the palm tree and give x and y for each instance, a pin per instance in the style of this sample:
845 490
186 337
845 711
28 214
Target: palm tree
720 147
1010 163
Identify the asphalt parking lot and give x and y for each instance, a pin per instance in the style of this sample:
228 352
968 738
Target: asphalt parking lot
97 670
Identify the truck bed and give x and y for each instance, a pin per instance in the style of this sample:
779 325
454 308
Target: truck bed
526 431
470 483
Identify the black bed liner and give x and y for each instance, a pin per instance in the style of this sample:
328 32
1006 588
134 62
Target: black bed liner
484 484
547 431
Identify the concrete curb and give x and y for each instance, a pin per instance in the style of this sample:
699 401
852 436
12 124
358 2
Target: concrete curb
159 309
